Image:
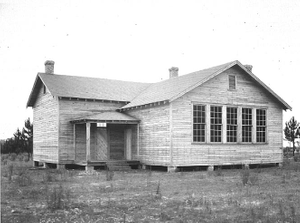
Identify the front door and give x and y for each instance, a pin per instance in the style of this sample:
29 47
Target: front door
116 142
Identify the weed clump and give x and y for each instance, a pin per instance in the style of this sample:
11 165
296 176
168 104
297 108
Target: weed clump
57 198
109 175
23 179
249 178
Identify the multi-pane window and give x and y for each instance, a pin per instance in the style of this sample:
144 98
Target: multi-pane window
232 82
261 125
246 125
215 123
231 124
199 123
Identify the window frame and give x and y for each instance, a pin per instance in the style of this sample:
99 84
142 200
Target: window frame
218 122
265 126
199 123
228 123
235 82
247 125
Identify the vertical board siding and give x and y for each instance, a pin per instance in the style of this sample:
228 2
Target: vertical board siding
101 144
154 139
80 144
215 91
70 109
45 131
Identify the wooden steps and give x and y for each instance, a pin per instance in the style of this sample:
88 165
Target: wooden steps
118 165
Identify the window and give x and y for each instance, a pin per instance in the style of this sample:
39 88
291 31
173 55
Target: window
260 125
231 124
215 123
246 125
232 82
199 123
44 89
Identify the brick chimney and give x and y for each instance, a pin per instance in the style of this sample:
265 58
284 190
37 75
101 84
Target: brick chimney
248 67
173 72
49 67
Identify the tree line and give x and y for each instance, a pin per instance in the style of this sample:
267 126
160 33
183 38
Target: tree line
21 142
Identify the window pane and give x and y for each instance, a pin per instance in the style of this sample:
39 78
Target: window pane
231 79
231 124
216 124
246 125
261 125
199 123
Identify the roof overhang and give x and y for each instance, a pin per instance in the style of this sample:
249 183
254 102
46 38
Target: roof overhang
112 117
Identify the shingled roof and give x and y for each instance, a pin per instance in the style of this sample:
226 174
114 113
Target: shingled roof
134 93
171 89
86 88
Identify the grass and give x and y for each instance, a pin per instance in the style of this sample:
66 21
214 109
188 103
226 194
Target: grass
255 195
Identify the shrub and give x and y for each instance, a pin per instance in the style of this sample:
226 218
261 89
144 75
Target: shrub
219 172
10 172
23 179
57 198
245 174
48 177
109 175
12 156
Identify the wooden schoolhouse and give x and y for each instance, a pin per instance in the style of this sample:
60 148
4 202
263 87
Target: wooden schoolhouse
223 115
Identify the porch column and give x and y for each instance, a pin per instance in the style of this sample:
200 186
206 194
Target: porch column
74 140
88 141
138 140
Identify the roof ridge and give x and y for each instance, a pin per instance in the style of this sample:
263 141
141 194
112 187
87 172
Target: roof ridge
98 78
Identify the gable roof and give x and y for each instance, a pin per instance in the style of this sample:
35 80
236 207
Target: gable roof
174 88
86 88
134 93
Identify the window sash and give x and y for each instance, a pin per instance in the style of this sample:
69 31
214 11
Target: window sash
231 118
215 123
199 123
261 125
232 82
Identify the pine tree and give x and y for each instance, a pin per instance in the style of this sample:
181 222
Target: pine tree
292 131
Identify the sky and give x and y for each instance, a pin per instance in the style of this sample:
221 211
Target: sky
140 40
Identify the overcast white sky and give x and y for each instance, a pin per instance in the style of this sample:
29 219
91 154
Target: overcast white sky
140 40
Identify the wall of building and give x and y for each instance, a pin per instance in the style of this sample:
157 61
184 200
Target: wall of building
45 128
215 92
154 134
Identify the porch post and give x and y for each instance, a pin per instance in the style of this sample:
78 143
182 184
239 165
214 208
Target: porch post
88 141
74 140
138 140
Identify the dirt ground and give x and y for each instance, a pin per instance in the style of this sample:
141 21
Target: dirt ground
233 195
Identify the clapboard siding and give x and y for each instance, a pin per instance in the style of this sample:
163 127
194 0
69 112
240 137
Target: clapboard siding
45 131
70 109
248 94
154 136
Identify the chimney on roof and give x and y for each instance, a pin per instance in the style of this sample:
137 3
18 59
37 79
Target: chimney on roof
49 67
248 67
173 72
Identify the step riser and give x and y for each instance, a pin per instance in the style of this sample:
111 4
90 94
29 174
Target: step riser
118 166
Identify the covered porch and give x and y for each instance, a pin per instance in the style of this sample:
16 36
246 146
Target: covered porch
105 137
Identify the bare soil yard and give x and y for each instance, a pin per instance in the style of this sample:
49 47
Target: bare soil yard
233 195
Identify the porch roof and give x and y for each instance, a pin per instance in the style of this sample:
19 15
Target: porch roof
107 117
